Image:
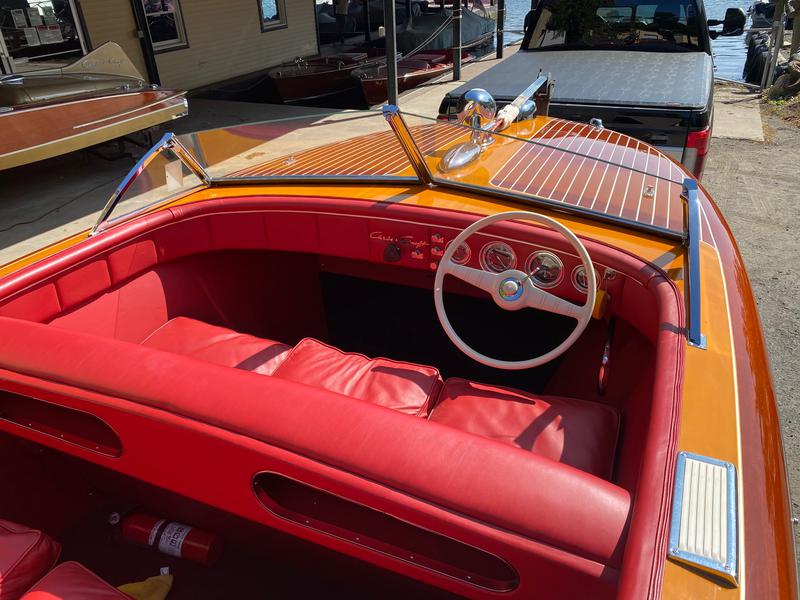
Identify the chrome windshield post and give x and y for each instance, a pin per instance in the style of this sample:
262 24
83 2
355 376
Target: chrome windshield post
692 241
168 142
406 139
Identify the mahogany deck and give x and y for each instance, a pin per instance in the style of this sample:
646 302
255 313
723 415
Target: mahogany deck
597 169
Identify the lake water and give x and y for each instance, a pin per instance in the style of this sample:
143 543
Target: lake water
729 52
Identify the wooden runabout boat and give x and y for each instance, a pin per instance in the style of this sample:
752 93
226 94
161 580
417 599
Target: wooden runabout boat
314 78
517 358
98 98
411 72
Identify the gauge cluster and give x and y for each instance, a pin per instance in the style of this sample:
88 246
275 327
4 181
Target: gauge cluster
557 271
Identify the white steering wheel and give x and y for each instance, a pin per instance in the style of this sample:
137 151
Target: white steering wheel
514 289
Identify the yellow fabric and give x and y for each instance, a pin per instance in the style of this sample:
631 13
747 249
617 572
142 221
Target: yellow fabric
152 588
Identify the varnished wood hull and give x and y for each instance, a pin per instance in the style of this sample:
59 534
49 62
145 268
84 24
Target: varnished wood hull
43 131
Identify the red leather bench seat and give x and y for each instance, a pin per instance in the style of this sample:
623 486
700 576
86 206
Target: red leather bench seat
73 581
405 387
25 555
575 432
218 345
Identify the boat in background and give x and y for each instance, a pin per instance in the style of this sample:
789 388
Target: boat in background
411 72
313 78
100 97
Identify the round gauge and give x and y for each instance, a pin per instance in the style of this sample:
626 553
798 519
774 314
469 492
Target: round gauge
462 254
579 278
545 268
497 257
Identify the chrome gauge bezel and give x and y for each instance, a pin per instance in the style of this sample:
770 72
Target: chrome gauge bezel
490 246
545 285
574 276
464 245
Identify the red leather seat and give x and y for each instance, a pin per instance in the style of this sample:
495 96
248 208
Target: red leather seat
73 581
189 337
575 432
405 387
25 555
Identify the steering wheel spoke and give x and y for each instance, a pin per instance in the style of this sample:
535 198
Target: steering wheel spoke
535 297
481 279
513 289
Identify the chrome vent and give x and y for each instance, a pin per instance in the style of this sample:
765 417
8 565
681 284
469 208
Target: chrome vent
704 515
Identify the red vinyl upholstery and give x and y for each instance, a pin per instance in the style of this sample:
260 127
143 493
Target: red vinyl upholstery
25 555
575 432
405 387
218 345
73 581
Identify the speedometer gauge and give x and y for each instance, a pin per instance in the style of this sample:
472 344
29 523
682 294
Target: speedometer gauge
462 254
545 268
497 257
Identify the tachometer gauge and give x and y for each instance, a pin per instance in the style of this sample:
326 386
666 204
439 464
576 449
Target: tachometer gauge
497 257
462 254
579 279
545 268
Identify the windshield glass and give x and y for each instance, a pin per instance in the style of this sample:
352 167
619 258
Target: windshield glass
561 163
542 160
610 24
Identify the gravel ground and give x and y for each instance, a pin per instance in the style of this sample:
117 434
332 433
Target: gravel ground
757 187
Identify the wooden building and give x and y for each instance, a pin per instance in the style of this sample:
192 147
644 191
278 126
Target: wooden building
183 44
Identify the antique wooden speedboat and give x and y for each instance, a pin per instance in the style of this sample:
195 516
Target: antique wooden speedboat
575 399
98 98
314 78
411 72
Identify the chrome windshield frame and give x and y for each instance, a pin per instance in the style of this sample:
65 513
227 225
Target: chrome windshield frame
692 242
168 142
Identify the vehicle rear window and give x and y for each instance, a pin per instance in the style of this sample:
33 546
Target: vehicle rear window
604 24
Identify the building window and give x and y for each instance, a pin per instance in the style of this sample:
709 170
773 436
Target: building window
272 13
165 23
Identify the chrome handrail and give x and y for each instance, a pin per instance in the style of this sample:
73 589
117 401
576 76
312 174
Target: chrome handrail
692 242
168 142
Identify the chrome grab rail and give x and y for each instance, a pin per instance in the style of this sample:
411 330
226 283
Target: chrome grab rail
168 142
692 242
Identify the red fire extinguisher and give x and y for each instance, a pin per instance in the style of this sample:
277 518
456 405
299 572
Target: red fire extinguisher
171 538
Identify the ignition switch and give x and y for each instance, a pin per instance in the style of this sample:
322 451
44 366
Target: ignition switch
391 253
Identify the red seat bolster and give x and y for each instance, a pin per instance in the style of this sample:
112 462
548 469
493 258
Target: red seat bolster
575 432
25 555
73 581
405 387
221 346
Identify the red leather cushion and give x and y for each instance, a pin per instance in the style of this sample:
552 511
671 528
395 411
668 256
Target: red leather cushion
575 432
405 387
73 581
25 555
218 345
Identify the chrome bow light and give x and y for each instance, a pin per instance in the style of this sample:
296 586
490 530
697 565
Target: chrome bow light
478 110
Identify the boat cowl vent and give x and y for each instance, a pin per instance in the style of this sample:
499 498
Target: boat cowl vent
704 528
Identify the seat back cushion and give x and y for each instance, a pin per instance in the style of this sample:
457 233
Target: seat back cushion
25 555
219 345
405 387
73 581
575 432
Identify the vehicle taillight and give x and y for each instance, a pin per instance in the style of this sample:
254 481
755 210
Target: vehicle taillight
701 140
697 146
